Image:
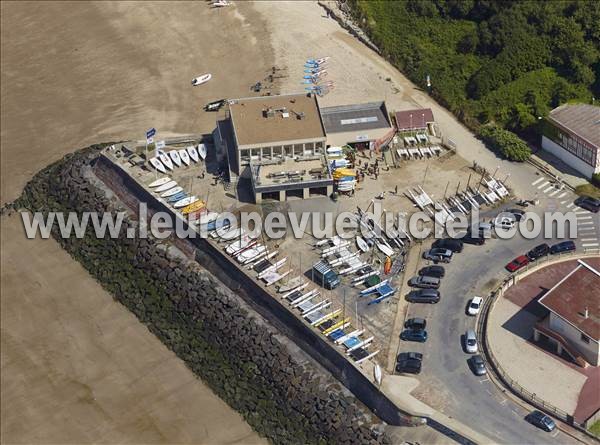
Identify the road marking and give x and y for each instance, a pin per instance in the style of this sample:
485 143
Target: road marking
570 205
554 192
503 402
586 229
590 245
548 189
556 431
582 212
589 239
537 181
582 218
484 380
562 195
543 185
585 223
565 201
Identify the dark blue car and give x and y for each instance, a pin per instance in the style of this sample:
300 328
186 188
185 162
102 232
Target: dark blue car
419 335
563 246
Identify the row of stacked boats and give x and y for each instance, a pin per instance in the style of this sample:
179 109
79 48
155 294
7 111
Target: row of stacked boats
169 160
188 204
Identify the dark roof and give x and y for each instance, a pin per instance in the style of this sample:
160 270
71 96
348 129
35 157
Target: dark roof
577 291
358 117
252 127
420 118
580 119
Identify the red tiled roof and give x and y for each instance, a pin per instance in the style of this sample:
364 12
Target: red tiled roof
420 118
569 298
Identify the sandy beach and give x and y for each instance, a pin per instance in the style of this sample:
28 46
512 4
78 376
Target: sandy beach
76 366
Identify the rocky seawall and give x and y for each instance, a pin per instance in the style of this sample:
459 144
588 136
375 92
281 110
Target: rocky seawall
279 389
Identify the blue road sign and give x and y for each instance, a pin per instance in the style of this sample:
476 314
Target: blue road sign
150 133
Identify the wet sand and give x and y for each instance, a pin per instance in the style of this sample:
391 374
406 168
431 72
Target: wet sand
76 366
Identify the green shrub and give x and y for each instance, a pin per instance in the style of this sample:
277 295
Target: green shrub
596 179
505 142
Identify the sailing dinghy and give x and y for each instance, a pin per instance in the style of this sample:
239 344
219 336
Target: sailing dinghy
159 182
175 156
184 156
157 165
385 249
193 153
201 79
185 202
362 244
166 186
177 197
166 160
172 192
202 151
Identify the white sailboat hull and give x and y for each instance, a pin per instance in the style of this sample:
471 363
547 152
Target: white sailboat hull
185 202
163 188
184 156
160 181
157 165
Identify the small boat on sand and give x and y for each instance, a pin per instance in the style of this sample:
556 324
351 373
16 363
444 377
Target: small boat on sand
177 197
193 207
166 160
362 244
166 186
157 165
175 157
185 202
172 192
160 181
201 79
184 156
193 153
202 151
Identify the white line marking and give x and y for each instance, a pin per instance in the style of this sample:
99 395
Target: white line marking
554 192
570 205
586 229
583 218
537 181
562 195
582 212
543 185
590 245
589 239
565 201
555 433
585 223
484 380
548 189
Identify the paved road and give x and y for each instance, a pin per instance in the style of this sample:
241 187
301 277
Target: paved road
447 382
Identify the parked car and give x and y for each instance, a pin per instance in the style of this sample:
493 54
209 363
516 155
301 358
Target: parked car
424 296
424 282
563 246
470 342
538 252
438 255
483 229
455 245
517 263
433 271
418 335
415 323
409 366
469 238
541 420
505 221
474 305
477 365
517 213
409 356
588 203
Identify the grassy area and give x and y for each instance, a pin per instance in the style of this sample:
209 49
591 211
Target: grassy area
589 190
595 428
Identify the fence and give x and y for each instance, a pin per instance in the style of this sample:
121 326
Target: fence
488 305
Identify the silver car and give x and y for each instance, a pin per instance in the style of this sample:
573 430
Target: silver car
471 342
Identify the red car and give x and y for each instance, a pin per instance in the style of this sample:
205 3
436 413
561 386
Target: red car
517 263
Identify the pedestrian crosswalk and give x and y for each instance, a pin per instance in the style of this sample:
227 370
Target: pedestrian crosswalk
587 223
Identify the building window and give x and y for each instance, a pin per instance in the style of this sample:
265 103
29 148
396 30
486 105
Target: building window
585 338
